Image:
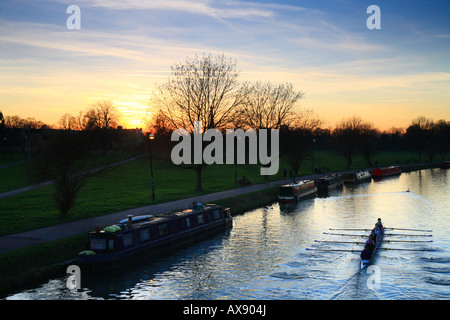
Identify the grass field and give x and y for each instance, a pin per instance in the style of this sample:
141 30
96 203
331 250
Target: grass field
129 186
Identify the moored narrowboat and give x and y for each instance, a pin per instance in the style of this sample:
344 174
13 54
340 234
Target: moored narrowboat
357 176
386 171
142 236
295 191
329 182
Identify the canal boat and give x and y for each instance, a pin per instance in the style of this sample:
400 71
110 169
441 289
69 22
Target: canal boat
386 172
365 262
295 191
357 176
329 182
142 236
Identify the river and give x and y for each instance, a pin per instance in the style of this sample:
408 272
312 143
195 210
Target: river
273 253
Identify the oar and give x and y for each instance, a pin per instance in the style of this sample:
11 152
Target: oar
346 235
355 229
399 249
408 235
351 250
332 250
408 241
386 234
409 229
351 242
350 229
388 241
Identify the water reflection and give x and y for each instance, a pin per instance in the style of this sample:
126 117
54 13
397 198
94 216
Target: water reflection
264 255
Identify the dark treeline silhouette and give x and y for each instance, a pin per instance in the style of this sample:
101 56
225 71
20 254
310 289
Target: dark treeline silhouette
99 124
60 154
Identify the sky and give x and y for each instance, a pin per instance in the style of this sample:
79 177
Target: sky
125 48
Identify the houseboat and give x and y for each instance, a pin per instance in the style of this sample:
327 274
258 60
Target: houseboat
357 176
329 182
295 191
143 236
386 171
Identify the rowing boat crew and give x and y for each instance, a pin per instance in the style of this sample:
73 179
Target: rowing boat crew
372 241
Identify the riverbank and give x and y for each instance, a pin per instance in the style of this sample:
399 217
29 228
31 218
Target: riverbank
35 263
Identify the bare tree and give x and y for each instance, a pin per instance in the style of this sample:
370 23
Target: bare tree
268 106
202 89
62 162
297 138
67 122
107 114
419 134
369 136
102 115
347 134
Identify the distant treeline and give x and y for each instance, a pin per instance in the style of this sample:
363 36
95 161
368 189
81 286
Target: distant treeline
428 138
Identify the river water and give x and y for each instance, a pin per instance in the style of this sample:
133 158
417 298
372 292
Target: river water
274 253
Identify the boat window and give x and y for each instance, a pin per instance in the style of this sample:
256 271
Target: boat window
217 214
163 229
111 244
128 240
145 234
188 222
98 244
285 191
200 219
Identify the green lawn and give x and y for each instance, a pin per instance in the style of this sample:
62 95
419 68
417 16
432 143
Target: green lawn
129 186
20 175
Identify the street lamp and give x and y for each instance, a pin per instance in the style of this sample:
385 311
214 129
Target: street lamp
151 136
312 156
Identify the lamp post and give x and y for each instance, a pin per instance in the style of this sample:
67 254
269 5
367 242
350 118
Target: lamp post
151 136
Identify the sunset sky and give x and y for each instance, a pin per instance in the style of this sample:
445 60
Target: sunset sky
324 48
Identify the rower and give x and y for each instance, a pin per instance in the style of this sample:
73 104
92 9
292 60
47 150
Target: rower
379 224
366 254
370 244
373 236
377 232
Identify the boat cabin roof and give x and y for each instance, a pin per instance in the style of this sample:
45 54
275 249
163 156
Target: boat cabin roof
296 184
141 221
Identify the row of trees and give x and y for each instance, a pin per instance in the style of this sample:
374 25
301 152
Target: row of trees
424 136
208 89
101 115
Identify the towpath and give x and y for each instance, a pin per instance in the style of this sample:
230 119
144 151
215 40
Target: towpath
64 230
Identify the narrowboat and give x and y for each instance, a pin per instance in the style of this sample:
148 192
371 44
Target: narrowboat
445 164
295 191
329 182
142 236
386 171
357 176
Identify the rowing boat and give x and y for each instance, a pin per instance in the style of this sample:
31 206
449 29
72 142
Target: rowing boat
365 262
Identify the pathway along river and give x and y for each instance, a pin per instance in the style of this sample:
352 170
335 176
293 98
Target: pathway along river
264 255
